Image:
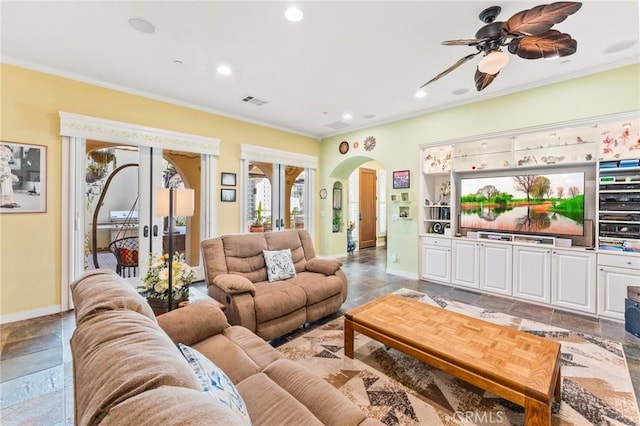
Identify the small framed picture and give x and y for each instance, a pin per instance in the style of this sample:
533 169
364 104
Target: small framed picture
228 179
228 195
401 179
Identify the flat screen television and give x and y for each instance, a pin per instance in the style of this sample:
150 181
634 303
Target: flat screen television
540 203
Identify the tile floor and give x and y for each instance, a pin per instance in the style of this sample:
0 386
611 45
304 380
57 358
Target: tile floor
36 377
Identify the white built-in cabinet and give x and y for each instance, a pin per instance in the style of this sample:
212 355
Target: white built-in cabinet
482 265
615 273
496 268
540 269
466 268
573 280
532 273
436 259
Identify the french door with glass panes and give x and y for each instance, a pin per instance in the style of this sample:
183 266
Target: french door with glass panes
276 193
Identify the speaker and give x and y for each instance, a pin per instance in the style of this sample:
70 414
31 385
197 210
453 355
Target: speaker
632 317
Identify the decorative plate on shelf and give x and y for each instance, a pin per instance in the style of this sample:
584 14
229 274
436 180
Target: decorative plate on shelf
343 147
323 193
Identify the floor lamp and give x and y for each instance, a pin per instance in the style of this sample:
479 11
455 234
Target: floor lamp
171 202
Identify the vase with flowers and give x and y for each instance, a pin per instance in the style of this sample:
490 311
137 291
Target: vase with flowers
155 283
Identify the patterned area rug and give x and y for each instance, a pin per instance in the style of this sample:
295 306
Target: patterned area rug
399 390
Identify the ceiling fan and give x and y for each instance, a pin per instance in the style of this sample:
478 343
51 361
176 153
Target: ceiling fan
527 34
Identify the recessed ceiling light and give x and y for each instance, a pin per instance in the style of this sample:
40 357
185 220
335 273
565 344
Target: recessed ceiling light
420 94
223 70
347 116
566 61
142 25
369 116
620 46
293 14
178 62
459 91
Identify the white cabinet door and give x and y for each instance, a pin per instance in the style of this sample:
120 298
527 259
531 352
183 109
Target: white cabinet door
612 290
496 271
465 263
436 263
532 273
573 283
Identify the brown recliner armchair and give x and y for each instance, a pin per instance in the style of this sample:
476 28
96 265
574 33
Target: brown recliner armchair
236 276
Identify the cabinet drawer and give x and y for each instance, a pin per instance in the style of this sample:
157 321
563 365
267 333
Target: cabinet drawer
619 261
432 241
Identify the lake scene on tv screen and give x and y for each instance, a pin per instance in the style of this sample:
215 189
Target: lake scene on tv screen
534 204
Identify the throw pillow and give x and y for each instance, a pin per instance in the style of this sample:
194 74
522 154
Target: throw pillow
215 382
279 264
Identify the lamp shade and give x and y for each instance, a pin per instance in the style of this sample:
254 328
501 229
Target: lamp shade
183 201
493 62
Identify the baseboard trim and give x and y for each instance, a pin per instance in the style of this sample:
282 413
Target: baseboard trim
403 274
33 313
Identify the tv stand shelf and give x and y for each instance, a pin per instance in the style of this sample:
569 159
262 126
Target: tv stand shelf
517 238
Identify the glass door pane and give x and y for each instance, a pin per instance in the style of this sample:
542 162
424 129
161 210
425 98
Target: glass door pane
277 195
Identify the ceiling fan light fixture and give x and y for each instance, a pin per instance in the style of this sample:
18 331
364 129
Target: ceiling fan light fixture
493 62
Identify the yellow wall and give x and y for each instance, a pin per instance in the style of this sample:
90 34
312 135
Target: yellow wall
397 146
30 102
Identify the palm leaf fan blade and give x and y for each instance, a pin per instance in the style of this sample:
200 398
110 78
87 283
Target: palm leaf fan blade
550 44
461 42
539 19
483 79
451 68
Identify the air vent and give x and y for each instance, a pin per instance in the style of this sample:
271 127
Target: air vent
254 100
338 125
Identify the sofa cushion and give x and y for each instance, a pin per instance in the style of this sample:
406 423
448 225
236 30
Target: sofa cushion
289 239
322 399
317 287
193 323
279 264
243 255
274 300
215 382
119 354
104 290
171 406
269 404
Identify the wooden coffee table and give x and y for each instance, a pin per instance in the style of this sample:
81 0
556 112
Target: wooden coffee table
520 367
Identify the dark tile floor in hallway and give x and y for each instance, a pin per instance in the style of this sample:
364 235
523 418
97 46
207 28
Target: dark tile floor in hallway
36 378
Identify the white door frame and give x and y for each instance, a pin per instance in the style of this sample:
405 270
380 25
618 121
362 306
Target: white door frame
275 156
75 129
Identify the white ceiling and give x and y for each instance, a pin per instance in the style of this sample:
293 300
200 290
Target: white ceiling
366 58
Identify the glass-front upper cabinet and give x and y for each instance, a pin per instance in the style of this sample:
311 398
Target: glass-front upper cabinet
437 159
558 146
618 139
483 154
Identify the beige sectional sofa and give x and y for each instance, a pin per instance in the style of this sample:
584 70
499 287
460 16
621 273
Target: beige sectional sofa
128 371
236 276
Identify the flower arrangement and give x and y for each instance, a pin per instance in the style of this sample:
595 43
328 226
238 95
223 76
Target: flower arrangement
156 280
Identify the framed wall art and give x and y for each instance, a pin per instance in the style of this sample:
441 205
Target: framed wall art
228 195
401 179
337 198
23 178
228 179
